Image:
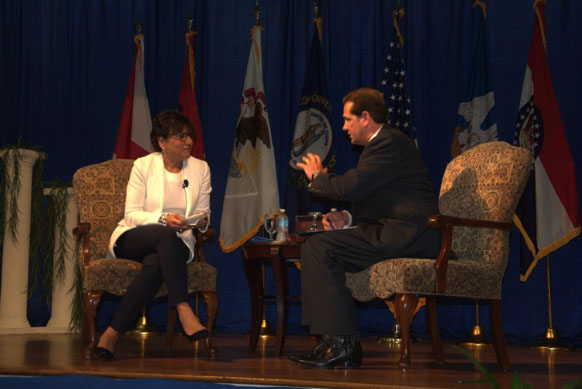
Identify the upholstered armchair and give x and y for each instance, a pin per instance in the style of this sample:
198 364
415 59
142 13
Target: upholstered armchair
100 194
478 196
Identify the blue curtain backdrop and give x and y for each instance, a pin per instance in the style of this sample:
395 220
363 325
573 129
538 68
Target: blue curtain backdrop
64 68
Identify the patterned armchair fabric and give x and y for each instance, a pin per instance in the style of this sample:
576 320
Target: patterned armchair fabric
485 182
100 194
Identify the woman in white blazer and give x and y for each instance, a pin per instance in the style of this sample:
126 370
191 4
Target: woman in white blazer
168 194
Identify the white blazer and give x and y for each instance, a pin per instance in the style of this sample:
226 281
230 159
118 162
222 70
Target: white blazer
144 200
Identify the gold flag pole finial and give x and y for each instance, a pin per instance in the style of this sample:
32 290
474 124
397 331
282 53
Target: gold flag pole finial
483 5
139 27
257 13
255 27
316 18
536 6
398 13
190 23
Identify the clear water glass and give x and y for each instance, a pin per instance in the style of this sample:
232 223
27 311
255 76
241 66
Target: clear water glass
270 225
313 226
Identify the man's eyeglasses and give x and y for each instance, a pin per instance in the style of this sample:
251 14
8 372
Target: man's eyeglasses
181 136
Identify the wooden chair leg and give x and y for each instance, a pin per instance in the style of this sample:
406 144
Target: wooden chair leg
497 335
433 329
211 306
170 328
405 306
91 301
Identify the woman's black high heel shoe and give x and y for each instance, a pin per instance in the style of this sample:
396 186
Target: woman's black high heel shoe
104 354
198 335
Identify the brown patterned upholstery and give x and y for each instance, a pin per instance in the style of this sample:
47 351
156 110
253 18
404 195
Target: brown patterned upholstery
115 275
484 183
100 194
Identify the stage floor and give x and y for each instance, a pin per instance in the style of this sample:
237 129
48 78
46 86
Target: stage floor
143 356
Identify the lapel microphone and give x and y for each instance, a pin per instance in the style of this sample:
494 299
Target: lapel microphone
185 184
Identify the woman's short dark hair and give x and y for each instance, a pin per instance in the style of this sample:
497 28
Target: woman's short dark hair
368 99
167 123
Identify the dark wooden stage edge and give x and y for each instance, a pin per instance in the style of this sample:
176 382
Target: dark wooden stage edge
140 356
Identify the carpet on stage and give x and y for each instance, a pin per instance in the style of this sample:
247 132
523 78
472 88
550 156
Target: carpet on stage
95 382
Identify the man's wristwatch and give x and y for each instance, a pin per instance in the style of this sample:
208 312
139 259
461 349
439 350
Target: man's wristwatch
162 219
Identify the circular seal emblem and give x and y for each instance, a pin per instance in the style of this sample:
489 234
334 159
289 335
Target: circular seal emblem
530 128
312 135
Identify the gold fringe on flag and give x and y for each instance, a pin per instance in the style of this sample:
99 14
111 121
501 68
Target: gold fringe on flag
191 59
255 45
137 40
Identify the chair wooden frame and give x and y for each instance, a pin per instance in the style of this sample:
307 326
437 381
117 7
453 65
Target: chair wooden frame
92 298
406 303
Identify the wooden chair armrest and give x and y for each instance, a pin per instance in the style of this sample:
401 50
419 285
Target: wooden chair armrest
446 224
208 235
201 238
82 232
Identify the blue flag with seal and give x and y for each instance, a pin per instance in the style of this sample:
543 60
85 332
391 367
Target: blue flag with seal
476 121
313 131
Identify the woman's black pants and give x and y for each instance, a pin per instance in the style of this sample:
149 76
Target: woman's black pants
163 256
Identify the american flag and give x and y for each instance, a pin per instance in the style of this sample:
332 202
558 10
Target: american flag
393 86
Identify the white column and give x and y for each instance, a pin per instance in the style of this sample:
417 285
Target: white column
62 300
13 297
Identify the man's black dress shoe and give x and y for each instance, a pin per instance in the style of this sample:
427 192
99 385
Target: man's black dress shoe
344 351
315 353
198 335
102 354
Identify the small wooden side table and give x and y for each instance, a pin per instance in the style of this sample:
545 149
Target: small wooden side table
275 254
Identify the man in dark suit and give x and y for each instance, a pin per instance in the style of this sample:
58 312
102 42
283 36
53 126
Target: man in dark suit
392 199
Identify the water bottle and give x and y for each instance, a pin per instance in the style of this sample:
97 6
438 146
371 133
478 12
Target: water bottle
282 226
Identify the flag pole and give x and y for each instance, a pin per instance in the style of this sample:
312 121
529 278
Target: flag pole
257 13
476 337
317 20
196 300
395 338
265 331
550 340
142 327
196 294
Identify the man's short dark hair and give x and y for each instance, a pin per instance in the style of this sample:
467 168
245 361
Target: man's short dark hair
367 99
167 123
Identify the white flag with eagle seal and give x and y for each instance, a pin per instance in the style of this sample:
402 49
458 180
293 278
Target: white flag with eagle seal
251 186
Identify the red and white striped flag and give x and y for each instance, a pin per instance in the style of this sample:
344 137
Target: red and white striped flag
133 135
187 100
547 214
